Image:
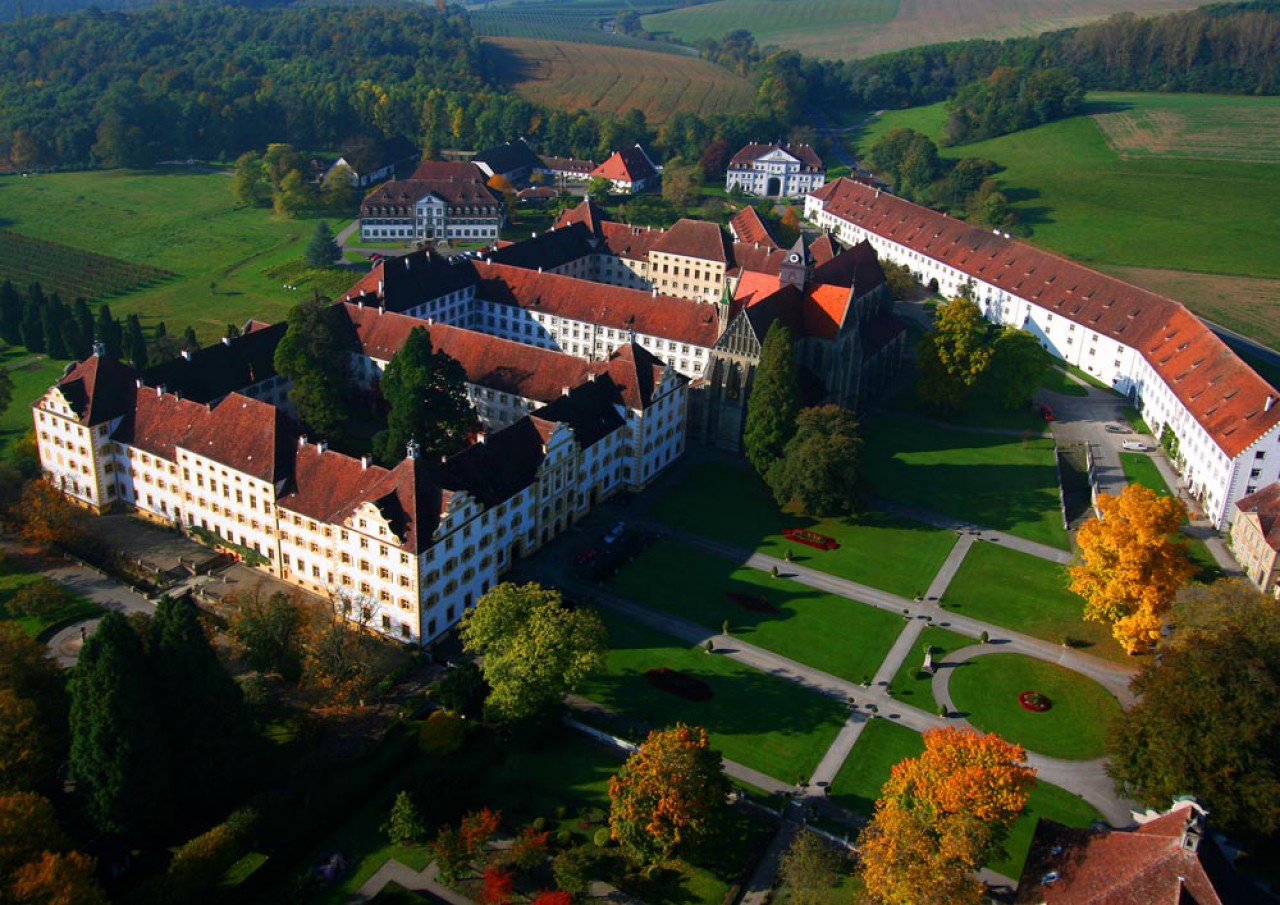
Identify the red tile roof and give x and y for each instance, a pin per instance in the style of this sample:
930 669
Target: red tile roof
1265 504
98 389
568 165
628 165
694 239
1148 866
747 226
403 192
1225 395
249 435
489 361
588 213
160 422
458 171
807 156
636 372
631 242
824 310
409 499
755 286
664 316
326 483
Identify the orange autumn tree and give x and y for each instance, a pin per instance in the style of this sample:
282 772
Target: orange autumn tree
941 816
670 793
1130 568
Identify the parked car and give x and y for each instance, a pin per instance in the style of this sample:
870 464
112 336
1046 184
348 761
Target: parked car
1046 413
615 533
1117 429
1134 445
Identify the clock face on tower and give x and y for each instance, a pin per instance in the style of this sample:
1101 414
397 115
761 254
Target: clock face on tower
794 259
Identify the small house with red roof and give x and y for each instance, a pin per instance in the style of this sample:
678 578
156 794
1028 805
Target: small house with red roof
777 170
630 170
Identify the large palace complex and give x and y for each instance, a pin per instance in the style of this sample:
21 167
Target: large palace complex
592 354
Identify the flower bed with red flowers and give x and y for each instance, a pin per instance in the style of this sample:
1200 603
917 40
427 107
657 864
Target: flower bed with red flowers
810 538
1034 701
676 682
756 603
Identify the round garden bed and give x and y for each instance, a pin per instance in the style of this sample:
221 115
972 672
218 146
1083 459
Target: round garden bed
990 689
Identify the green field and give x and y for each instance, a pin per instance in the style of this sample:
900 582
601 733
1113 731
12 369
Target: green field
30 380
13 579
985 691
830 633
845 30
727 501
1192 126
995 481
883 744
1026 594
1158 211
178 220
770 724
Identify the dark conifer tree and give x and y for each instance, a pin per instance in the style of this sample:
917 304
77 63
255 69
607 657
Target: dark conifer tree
11 309
118 758
427 393
135 343
774 401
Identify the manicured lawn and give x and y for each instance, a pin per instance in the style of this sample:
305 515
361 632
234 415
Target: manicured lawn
769 724
1140 469
882 744
986 690
13 580
912 685
727 501
179 220
29 383
1026 594
830 633
1058 381
981 410
995 481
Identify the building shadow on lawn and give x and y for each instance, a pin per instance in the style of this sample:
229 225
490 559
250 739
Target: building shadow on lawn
1000 497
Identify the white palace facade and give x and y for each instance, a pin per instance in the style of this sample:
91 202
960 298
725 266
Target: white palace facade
206 443
1223 417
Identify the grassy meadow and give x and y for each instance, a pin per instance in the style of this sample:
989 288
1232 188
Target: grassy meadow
840 29
1150 212
177 220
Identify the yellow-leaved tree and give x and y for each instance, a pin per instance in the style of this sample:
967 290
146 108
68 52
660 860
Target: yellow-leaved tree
941 816
1131 565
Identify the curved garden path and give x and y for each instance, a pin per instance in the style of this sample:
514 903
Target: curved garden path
1087 778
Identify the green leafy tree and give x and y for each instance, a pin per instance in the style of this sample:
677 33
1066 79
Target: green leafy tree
1018 365
28 826
463 690
269 628
118 755
810 868
669 796
442 733
28 758
1207 721
337 193
599 189
311 355
405 822
774 401
29 673
681 183
294 196
323 249
249 183
6 390
207 726
819 466
427 394
575 868
954 355
535 650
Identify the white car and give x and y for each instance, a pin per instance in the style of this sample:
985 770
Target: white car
615 532
1134 445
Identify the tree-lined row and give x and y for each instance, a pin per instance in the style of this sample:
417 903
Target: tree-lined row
276 179
72 271
46 325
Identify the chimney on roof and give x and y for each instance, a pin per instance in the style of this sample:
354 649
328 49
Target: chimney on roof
160 391
364 461
302 439
379 287
99 348
138 382
186 354
322 446
564 391
413 450
1271 400
479 436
